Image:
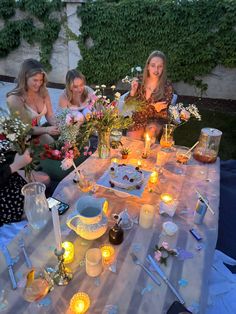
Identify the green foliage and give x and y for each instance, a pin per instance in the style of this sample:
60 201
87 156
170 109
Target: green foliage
7 9
195 35
13 31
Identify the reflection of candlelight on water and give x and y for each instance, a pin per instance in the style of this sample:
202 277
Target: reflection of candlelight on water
153 177
69 252
167 204
108 254
79 303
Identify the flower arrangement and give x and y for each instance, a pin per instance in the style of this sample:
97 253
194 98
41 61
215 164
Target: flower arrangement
179 114
14 130
104 116
163 252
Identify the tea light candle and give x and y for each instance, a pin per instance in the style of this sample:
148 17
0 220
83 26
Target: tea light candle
147 144
167 204
139 163
93 262
153 177
146 216
115 160
69 252
108 254
79 303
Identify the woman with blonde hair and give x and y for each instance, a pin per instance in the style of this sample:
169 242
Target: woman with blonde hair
30 99
77 97
156 93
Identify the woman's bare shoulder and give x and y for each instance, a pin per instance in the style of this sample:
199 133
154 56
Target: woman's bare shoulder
15 100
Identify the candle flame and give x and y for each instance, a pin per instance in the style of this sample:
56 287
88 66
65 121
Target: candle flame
147 137
166 198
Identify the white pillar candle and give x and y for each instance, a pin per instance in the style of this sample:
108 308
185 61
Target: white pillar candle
56 227
147 144
146 216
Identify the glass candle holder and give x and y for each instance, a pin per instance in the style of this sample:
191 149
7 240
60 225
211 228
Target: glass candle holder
80 303
146 216
167 204
93 262
69 252
108 254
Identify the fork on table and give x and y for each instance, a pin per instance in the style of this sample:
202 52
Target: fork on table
27 259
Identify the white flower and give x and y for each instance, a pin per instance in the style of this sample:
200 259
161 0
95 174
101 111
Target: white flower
132 70
117 95
138 69
97 86
12 137
194 111
113 87
103 86
66 163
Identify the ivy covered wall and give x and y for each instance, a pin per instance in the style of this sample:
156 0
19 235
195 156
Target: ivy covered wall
37 26
195 35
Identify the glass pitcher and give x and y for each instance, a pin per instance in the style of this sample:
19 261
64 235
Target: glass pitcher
35 204
167 138
209 142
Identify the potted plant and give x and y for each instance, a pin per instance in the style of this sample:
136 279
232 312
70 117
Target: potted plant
124 152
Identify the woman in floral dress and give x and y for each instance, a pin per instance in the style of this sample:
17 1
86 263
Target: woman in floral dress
155 93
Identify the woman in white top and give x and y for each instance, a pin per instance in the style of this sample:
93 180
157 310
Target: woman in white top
77 97
31 100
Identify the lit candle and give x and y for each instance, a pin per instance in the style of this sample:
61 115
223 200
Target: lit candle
153 177
93 262
80 302
147 144
167 204
56 227
146 216
69 252
108 254
115 160
139 163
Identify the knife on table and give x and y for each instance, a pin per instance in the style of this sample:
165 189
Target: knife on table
163 276
9 263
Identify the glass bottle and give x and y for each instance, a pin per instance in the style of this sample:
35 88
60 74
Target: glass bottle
35 204
209 142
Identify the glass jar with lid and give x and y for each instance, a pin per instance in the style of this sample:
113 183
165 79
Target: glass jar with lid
209 142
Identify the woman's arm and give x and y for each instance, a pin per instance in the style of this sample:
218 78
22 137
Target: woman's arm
16 106
50 115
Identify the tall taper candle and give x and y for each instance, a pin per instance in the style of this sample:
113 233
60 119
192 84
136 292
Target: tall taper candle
56 227
147 144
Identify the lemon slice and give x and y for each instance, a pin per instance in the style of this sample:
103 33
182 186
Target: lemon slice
30 278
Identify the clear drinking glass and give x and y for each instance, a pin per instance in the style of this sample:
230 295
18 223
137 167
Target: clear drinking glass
35 204
167 138
182 158
86 182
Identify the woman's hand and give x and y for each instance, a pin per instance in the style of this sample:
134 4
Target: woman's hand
20 161
134 86
52 130
160 105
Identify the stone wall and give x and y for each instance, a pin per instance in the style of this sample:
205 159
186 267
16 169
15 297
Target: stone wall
221 82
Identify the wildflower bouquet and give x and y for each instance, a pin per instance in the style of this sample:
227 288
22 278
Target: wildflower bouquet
136 73
14 130
179 114
103 118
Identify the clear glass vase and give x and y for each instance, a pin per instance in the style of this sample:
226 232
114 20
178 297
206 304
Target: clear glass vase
167 138
104 144
35 204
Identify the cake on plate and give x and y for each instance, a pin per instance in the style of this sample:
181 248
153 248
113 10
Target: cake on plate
126 177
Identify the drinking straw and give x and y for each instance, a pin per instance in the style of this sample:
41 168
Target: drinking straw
166 132
204 200
190 149
76 170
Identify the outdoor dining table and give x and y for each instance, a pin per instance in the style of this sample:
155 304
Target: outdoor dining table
125 287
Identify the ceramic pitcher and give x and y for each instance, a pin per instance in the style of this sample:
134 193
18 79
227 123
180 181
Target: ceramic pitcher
89 219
